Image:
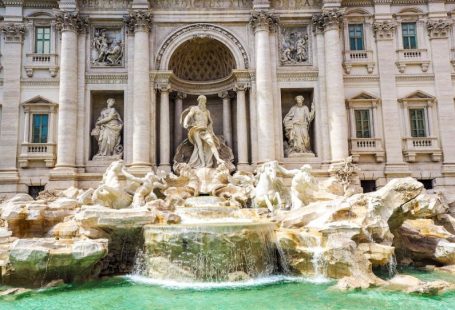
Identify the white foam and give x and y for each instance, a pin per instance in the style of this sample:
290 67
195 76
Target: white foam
171 284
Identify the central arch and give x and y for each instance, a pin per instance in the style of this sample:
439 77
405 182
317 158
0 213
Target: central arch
196 31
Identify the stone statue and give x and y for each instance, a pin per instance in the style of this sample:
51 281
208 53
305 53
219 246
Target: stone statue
296 126
115 54
112 193
270 191
101 45
200 134
107 132
145 192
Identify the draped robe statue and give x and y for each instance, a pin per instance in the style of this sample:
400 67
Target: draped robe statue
107 132
296 125
200 133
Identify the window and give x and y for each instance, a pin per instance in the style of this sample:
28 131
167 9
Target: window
35 190
409 31
356 37
417 118
362 124
40 128
42 40
368 186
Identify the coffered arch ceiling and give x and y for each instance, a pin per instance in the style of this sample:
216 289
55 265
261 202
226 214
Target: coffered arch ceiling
202 59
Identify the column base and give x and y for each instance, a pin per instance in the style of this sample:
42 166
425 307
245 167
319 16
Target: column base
62 177
397 171
164 167
448 170
244 167
140 168
9 182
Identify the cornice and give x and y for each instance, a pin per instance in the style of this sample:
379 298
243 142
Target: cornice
41 82
297 76
414 78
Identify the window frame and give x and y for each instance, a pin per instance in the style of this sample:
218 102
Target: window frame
423 127
32 128
362 121
43 40
355 38
406 38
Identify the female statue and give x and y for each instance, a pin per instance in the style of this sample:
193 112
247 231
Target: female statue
107 131
297 124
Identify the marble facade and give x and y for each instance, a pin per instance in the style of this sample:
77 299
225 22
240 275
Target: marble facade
250 58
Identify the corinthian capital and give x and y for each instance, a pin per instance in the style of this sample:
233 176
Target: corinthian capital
71 21
384 30
328 19
138 21
439 29
263 20
13 32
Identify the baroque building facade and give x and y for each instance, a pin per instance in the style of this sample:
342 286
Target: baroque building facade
83 83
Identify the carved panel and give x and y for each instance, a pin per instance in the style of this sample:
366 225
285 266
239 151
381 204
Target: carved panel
201 4
107 46
294 46
295 4
104 4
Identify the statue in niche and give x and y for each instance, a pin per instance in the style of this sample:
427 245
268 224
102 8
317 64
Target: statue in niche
107 131
294 46
202 148
296 127
108 48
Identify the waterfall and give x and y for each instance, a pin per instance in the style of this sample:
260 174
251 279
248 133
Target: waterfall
318 261
392 266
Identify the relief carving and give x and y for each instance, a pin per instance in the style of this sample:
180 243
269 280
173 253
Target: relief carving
294 46
107 47
202 4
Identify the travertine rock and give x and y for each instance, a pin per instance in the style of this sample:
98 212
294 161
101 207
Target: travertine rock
33 262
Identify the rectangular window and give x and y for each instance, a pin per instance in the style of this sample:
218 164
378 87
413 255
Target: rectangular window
362 124
417 117
409 31
356 37
43 40
40 128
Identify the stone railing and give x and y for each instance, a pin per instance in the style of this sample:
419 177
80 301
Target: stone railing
412 146
359 59
366 146
37 152
407 57
41 62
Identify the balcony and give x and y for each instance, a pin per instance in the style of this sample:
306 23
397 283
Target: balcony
421 145
41 62
358 59
412 57
37 152
366 146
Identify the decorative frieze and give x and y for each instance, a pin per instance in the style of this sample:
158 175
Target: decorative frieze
439 29
297 76
263 20
104 4
295 4
329 19
107 47
13 32
138 21
294 46
106 78
201 4
71 21
384 30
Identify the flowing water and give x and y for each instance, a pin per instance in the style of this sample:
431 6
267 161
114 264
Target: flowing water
276 292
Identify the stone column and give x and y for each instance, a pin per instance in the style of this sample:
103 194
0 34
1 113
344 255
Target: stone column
227 119
329 22
384 32
325 137
139 22
27 125
439 30
263 22
69 23
178 129
165 128
242 126
9 132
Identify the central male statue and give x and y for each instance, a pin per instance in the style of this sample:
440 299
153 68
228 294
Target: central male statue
200 133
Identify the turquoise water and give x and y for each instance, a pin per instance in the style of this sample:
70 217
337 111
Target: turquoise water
271 293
